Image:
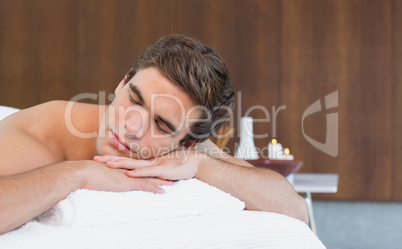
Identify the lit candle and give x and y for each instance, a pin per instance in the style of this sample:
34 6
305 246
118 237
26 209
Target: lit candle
286 151
279 152
275 150
271 149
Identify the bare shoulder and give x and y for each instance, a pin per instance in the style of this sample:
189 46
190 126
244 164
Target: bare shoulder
35 136
211 149
18 119
51 118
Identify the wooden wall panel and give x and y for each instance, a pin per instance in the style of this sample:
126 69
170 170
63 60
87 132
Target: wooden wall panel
279 52
37 48
310 67
112 36
397 107
345 46
253 63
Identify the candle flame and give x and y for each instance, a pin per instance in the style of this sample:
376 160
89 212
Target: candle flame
274 142
286 151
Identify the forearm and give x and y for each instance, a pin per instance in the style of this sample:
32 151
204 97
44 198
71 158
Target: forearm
260 189
24 196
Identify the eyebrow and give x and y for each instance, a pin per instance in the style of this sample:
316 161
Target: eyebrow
138 93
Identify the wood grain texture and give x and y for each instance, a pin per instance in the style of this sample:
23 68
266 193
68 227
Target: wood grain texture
37 50
345 46
397 106
310 62
113 34
279 52
253 63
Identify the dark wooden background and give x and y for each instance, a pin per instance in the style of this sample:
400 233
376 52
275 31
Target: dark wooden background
280 53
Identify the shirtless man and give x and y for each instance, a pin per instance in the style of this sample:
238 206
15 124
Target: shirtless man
175 97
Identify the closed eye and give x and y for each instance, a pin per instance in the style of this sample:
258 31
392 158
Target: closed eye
137 99
132 100
167 126
158 126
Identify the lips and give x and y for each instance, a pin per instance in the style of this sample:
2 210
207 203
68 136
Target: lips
119 143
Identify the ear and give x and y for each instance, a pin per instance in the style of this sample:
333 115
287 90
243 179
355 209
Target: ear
120 86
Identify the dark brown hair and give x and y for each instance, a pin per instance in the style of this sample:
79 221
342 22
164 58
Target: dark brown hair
200 71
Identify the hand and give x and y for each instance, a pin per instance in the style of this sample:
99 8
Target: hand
177 165
102 178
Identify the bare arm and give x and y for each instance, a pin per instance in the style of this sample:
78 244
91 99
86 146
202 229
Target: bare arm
24 196
261 189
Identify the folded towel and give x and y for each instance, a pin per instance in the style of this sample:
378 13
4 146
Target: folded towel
183 198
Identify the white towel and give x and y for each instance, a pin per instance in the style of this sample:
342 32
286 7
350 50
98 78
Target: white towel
234 230
183 198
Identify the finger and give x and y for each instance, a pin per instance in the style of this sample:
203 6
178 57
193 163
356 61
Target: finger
106 158
151 171
127 163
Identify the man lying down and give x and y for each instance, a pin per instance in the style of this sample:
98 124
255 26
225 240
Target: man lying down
176 96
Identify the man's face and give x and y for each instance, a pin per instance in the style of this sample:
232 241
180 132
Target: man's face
148 117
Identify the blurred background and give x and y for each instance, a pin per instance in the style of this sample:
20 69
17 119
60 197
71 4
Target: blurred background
287 53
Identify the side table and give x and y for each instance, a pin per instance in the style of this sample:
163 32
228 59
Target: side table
314 183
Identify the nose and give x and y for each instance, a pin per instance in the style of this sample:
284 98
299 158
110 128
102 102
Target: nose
135 122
